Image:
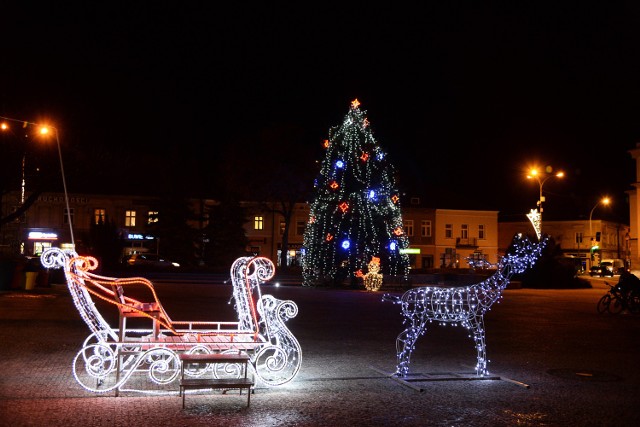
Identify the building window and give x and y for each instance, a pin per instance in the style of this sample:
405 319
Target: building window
464 231
99 216
282 225
68 216
425 228
481 232
258 223
152 217
300 226
408 227
448 231
129 218
579 237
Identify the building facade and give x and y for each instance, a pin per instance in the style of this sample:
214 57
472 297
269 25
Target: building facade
634 214
438 238
610 239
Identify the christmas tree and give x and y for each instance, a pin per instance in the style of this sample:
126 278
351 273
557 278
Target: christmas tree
355 211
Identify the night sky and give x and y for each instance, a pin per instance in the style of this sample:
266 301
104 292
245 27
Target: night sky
463 96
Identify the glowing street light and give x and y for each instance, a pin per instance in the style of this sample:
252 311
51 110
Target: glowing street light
605 201
541 178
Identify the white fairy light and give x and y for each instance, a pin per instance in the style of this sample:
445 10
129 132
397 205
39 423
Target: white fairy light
464 305
536 221
106 363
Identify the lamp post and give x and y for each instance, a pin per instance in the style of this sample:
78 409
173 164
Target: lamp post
541 178
605 201
44 130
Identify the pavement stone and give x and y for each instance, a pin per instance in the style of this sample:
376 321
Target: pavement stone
581 368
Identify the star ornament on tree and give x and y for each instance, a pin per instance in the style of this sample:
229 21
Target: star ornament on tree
355 103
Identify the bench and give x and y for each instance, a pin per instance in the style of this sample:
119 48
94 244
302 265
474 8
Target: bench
240 359
148 360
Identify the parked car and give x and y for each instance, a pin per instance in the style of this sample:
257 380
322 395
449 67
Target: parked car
615 265
150 260
600 271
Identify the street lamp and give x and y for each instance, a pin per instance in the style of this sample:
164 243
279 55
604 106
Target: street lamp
45 130
605 201
541 178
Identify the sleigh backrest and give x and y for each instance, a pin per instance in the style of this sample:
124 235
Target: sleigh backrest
75 268
247 273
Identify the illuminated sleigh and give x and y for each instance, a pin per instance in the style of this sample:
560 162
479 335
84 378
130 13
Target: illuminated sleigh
147 360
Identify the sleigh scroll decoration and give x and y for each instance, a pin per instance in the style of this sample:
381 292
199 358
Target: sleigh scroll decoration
147 360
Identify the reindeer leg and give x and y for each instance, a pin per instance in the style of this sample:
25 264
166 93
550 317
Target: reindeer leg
405 343
477 327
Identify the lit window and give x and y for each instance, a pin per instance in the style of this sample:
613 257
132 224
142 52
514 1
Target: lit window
99 216
129 218
282 225
152 217
258 223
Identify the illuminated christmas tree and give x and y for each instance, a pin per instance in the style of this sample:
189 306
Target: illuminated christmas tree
355 211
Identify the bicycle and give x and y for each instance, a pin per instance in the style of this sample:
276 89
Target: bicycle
617 300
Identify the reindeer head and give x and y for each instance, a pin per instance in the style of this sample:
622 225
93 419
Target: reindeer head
522 254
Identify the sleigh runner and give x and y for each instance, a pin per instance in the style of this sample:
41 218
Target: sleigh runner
148 360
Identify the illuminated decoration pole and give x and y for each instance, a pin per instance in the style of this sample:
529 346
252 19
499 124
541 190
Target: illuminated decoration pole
355 210
534 217
44 130
605 201
541 178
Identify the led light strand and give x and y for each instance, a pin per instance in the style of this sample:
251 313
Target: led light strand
355 212
464 306
104 363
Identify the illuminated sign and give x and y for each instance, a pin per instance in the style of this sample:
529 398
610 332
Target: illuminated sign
40 235
135 236
410 251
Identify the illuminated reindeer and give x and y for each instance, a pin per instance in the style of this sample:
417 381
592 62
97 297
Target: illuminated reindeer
464 305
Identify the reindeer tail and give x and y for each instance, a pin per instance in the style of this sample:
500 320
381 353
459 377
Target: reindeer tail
391 298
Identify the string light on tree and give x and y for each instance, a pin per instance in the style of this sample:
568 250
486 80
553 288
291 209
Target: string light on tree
355 210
